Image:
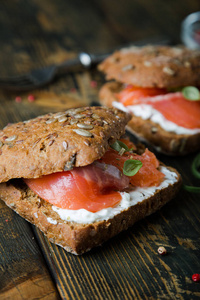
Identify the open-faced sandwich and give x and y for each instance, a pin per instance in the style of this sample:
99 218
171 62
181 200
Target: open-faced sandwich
158 85
71 175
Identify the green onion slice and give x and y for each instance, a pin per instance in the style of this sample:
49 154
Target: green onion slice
131 167
191 93
192 189
118 145
196 166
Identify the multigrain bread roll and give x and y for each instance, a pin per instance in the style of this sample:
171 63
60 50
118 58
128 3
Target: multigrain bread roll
148 83
65 173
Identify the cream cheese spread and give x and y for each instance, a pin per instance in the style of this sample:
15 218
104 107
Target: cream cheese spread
51 221
128 199
146 111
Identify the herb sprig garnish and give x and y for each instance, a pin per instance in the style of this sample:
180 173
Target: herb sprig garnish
196 166
118 145
191 93
195 171
192 189
131 166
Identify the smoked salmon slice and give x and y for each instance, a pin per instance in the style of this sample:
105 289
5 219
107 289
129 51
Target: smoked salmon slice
148 175
173 106
130 94
93 187
97 186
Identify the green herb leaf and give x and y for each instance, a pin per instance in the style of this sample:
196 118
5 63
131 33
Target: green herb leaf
196 166
192 189
131 167
118 145
191 93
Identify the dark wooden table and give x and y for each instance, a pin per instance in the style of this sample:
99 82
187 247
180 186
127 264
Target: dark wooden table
37 33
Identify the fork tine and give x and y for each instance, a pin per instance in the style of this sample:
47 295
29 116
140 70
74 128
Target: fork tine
21 82
33 77
15 83
32 80
15 80
18 87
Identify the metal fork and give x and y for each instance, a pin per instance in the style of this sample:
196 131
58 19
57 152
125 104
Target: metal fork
40 77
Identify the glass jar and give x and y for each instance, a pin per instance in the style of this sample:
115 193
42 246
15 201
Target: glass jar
190 31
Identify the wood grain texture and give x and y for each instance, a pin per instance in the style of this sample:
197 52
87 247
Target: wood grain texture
128 266
23 272
37 33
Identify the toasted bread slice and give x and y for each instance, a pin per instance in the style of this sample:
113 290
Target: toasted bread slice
57 142
153 66
78 238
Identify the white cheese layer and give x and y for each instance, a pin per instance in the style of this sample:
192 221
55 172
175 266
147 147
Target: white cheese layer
128 199
148 112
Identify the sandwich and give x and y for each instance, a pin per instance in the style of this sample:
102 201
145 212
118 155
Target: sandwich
73 176
158 86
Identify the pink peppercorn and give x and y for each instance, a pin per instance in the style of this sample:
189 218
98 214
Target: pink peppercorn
31 98
93 84
196 277
18 99
162 250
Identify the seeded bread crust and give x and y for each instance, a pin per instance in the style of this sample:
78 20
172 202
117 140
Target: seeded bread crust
167 142
154 66
73 237
59 141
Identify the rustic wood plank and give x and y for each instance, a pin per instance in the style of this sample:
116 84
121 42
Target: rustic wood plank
23 272
55 30
59 96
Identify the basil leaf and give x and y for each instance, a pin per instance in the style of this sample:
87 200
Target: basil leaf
196 166
131 167
118 145
193 189
191 93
